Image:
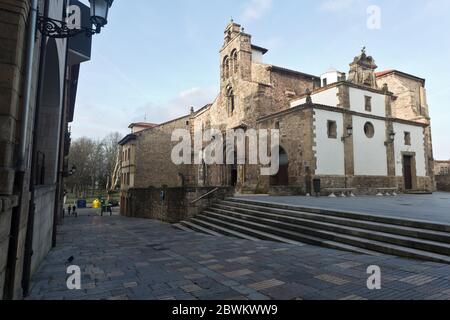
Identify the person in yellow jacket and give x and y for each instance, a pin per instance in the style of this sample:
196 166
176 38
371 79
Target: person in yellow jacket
96 204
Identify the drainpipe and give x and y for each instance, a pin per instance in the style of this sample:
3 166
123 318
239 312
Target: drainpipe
28 86
28 255
60 151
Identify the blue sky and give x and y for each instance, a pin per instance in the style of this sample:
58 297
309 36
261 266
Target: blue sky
157 58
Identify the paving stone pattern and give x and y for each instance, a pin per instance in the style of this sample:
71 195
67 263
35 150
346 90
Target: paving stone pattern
126 258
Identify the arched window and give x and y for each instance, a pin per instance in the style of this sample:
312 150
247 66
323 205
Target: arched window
226 68
230 98
234 61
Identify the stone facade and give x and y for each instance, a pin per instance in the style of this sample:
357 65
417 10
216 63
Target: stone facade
410 103
254 95
442 175
31 183
13 36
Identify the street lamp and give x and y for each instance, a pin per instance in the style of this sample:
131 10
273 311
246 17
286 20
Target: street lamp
60 29
349 133
99 13
392 136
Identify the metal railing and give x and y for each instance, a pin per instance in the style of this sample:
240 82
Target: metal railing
205 195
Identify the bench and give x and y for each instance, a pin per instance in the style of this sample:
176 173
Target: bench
344 192
381 192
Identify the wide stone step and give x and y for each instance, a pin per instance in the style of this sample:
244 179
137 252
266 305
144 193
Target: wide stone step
420 224
199 221
195 227
293 223
180 226
246 234
269 232
425 234
366 244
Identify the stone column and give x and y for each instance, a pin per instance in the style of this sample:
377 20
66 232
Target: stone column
344 103
390 150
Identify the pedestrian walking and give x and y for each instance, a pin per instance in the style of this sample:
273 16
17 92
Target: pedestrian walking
69 209
74 211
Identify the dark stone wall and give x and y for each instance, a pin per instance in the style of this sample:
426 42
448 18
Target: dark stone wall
171 205
443 183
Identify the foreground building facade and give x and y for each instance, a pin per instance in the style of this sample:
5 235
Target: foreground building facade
38 87
361 131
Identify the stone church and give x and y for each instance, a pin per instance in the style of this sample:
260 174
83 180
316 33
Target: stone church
363 131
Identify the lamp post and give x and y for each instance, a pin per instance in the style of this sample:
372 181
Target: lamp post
60 29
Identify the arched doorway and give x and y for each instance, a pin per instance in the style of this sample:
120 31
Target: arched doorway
282 177
230 170
48 127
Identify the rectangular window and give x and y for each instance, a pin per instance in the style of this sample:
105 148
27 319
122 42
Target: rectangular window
368 106
332 129
325 82
407 138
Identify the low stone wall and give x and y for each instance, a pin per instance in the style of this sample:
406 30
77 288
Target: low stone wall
367 185
171 205
43 224
443 183
286 191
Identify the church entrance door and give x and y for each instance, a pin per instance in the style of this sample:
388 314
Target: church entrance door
407 172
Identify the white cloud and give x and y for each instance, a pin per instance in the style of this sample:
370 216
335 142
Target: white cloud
118 119
176 107
256 9
336 5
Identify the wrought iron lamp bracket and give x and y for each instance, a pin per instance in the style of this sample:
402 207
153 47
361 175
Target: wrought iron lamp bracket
60 30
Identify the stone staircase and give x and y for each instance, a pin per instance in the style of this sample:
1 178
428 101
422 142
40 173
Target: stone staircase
359 233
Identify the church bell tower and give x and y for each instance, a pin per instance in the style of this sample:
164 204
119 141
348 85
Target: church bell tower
362 70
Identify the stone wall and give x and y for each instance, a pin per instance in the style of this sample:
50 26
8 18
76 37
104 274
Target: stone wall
443 183
6 210
410 102
43 224
296 130
13 30
171 205
154 167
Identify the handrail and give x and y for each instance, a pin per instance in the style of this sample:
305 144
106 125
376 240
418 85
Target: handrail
205 195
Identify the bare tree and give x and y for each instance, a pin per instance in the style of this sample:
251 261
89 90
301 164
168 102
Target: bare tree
97 163
112 158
